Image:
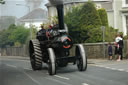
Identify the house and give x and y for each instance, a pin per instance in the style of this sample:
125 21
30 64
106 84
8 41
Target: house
117 11
121 15
107 4
35 17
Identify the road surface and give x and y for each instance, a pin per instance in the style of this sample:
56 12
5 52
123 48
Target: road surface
19 72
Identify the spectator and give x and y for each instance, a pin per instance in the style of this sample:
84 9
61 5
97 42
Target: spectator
118 46
110 51
121 44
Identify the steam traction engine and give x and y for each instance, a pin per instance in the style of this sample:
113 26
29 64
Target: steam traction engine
55 50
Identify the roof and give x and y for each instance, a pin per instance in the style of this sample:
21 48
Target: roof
78 1
67 2
37 14
102 0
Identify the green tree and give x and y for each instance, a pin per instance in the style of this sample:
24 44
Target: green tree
84 23
4 38
73 22
20 34
110 34
103 16
2 2
14 36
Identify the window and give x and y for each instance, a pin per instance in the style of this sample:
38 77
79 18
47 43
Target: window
126 1
98 6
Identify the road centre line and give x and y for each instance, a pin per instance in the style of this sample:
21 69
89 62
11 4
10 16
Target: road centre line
62 77
113 68
11 65
108 67
120 69
27 69
26 60
61 82
25 74
84 84
16 67
32 78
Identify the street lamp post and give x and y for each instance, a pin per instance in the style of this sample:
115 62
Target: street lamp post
30 21
103 29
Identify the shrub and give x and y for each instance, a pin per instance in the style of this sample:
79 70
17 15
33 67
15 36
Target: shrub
84 23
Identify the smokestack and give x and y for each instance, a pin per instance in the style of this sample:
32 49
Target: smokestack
60 11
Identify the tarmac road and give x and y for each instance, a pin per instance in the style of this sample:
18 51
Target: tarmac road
100 72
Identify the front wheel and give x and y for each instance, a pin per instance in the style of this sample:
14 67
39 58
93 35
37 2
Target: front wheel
35 54
51 62
81 58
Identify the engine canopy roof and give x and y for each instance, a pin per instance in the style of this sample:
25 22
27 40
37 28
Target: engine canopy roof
56 2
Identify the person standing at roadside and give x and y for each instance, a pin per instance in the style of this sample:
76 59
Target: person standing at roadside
121 44
110 51
118 45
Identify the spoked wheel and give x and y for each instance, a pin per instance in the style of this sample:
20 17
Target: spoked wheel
51 62
81 58
35 54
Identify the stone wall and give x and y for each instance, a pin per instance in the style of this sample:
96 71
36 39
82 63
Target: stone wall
125 49
100 50
93 50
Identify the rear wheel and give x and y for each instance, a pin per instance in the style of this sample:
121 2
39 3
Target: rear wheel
35 54
51 62
81 58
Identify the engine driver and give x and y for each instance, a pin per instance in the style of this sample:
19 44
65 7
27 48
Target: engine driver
41 34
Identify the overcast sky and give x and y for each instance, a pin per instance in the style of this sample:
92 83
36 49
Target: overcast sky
11 9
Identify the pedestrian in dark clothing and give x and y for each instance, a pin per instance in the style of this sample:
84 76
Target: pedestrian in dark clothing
121 45
120 48
110 51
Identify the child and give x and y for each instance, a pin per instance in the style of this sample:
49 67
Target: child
110 51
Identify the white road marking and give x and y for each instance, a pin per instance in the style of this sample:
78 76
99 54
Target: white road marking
55 80
113 68
124 70
108 67
11 65
62 77
121 70
98 65
32 78
27 69
26 60
25 74
84 84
